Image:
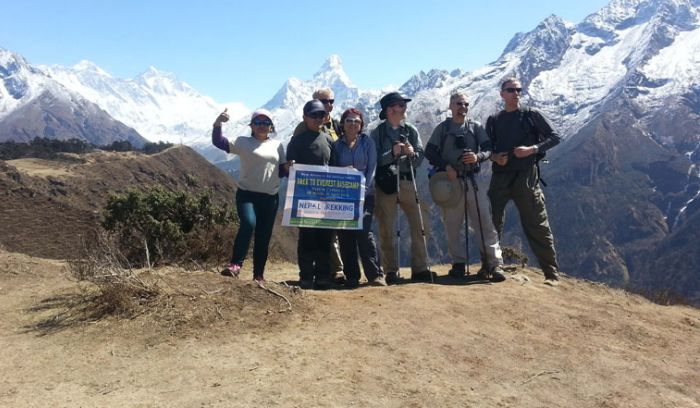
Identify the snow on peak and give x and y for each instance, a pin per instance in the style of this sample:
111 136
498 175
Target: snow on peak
154 74
332 71
622 14
90 67
333 61
8 58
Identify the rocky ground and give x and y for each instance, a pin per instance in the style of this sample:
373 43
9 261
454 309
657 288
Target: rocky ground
199 339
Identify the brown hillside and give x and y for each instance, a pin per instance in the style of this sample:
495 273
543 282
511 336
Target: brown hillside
209 341
48 206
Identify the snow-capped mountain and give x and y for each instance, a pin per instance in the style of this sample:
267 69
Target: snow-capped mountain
156 103
287 104
621 87
32 104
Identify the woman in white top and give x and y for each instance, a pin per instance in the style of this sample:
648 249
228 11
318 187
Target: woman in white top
262 163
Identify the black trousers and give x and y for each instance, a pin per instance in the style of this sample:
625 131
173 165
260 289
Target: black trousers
313 254
361 241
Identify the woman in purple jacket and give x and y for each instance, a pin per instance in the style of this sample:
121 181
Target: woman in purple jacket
262 162
356 149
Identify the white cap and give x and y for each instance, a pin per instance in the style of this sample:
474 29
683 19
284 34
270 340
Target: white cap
261 112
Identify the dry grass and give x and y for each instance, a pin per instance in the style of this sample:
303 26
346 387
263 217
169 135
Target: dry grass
163 302
44 168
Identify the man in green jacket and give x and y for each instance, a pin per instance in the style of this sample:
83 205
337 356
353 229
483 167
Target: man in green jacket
398 142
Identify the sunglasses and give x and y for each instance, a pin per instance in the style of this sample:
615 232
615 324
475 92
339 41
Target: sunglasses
462 104
328 101
262 123
513 90
353 121
317 115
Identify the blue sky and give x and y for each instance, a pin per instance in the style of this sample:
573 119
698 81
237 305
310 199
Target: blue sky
244 52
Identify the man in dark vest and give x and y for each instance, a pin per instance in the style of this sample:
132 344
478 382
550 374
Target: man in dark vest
520 136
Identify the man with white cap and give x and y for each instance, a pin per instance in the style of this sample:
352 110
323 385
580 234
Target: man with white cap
458 147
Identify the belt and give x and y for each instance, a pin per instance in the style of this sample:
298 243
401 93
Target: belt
405 176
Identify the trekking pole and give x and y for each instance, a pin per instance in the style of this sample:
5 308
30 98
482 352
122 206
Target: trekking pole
420 218
469 173
478 214
466 217
398 224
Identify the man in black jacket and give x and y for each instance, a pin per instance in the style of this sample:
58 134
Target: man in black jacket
520 136
313 146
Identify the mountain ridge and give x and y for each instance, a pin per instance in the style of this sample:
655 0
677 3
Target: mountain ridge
625 73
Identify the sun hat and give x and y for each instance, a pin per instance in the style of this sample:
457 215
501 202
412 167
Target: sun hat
445 192
389 99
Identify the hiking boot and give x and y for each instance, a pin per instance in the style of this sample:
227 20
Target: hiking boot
339 278
232 270
350 284
484 273
458 271
497 274
422 276
323 284
306 284
551 278
378 281
392 278
259 279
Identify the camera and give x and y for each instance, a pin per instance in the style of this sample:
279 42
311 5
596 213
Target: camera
460 143
470 168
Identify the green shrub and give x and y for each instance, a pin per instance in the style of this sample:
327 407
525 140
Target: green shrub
161 226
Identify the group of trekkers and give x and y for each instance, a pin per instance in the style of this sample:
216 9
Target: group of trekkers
513 141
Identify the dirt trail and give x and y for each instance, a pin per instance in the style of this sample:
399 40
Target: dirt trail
515 344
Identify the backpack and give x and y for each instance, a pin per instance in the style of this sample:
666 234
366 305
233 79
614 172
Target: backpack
445 131
529 128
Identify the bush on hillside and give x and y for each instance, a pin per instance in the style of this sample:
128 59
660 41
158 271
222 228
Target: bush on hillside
45 148
126 146
42 148
159 226
153 148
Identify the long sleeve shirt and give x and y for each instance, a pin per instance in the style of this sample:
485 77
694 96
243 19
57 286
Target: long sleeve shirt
362 157
260 161
513 129
385 137
310 148
449 139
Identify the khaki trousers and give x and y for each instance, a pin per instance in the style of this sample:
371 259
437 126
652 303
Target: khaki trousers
385 213
453 219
